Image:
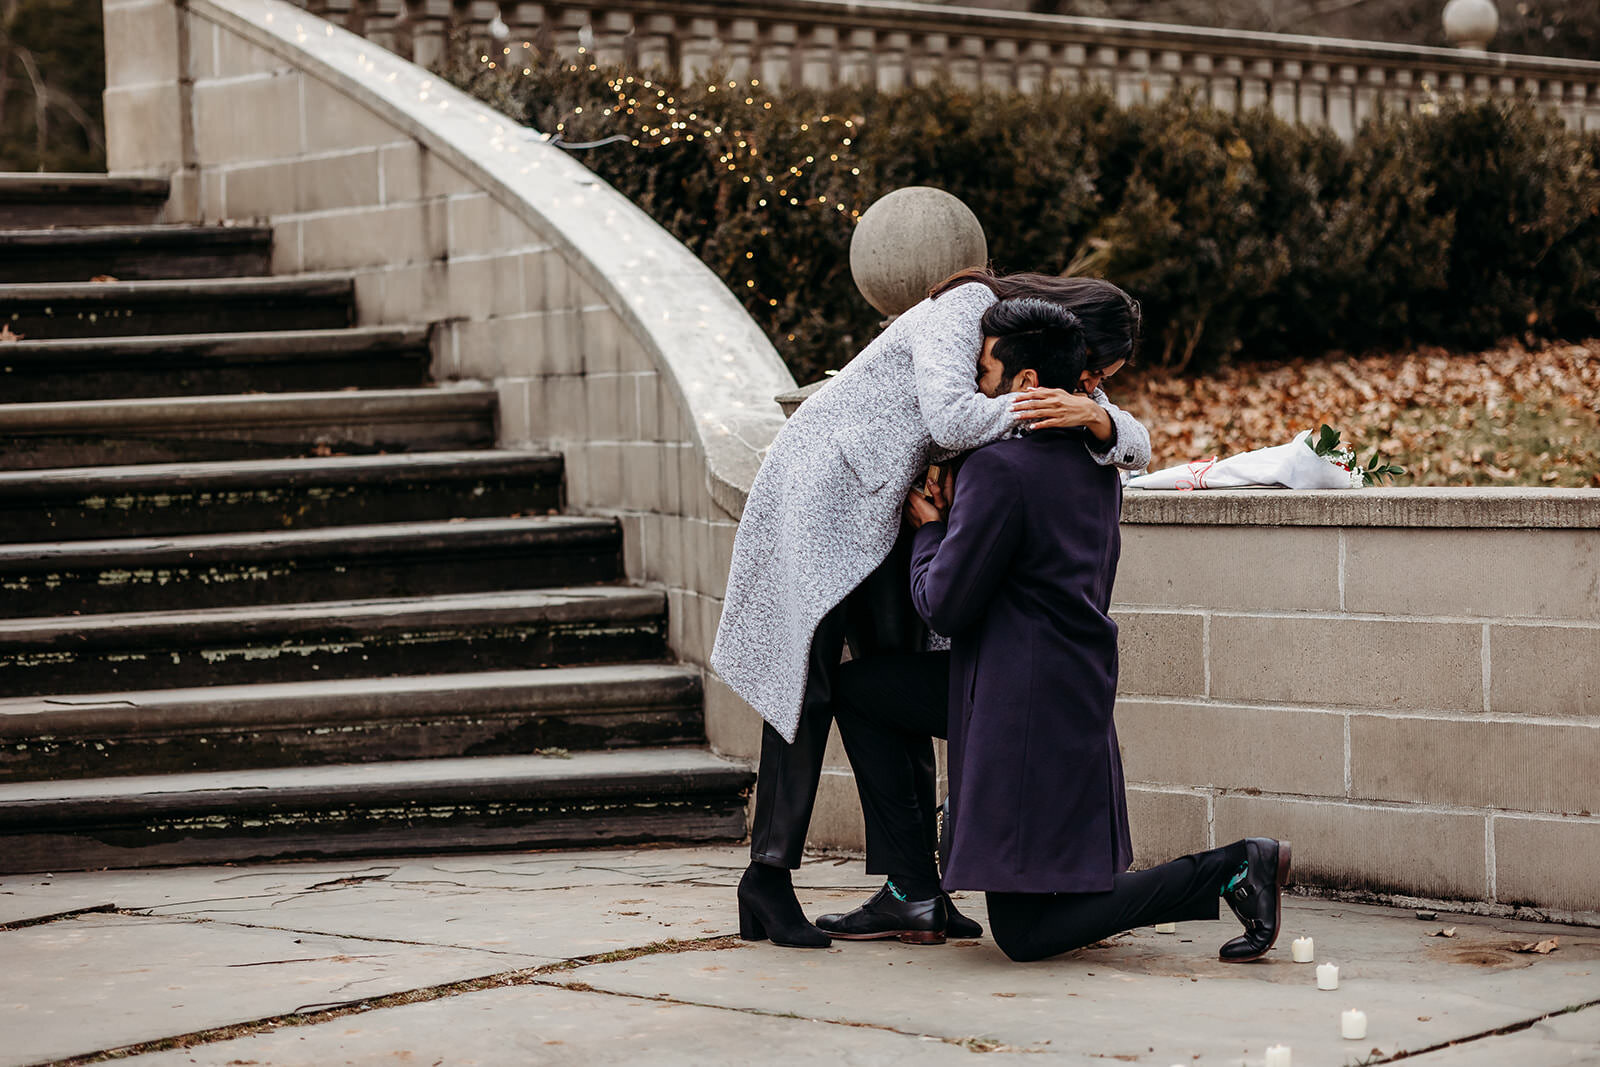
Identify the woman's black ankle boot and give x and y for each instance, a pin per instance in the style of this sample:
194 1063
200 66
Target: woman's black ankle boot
768 909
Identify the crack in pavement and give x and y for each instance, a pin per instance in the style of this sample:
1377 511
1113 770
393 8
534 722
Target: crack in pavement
972 1042
197 919
41 920
522 976
1499 1031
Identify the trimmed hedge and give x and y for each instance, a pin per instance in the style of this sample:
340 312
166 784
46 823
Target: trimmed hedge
1243 235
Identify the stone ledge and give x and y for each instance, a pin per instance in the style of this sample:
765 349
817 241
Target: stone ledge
1447 508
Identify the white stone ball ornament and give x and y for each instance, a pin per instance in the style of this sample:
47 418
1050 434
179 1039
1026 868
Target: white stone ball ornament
1471 24
909 241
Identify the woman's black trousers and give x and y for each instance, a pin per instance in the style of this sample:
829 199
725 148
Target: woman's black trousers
875 619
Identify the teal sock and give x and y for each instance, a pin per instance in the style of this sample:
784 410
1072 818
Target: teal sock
1233 883
894 890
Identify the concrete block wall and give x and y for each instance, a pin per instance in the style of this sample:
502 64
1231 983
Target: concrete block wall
1416 706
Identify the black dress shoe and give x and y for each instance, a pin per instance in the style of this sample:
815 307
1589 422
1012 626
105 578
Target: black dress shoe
768 908
916 922
959 926
1258 899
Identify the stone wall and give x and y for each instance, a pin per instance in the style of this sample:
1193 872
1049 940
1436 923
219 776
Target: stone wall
890 43
608 340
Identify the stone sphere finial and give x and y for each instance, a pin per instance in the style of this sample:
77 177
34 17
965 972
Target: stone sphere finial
909 241
1471 24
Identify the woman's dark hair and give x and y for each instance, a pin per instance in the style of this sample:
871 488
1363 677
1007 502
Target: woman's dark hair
1041 334
1111 318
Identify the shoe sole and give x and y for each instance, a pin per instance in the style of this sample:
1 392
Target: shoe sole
908 937
1285 863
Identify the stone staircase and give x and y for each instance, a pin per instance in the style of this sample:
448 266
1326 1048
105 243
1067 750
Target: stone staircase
241 622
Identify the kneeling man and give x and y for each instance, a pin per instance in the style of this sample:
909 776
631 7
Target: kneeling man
1015 563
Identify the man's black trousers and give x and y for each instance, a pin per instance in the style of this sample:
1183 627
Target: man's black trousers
889 707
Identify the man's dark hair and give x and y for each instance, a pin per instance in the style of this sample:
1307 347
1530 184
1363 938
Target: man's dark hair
1030 332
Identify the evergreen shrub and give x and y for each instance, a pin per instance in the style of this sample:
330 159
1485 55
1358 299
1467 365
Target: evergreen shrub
1243 235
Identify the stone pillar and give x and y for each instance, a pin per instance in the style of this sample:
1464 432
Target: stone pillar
1285 88
1314 96
893 57
1404 94
1163 78
1102 70
427 23
149 110
697 50
379 22
1369 95
855 63
739 48
1255 86
566 27
653 42
1033 70
1225 84
1133 78
816 58
611 32
966 65
1194 76
1000 65
1341 103
928 65
530 24
777 55
1069 70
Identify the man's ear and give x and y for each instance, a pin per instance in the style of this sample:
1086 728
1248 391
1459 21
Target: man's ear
1028 379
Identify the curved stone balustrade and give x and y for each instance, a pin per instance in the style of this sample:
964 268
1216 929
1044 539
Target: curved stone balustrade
891 43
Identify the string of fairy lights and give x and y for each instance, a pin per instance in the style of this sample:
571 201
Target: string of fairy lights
663 120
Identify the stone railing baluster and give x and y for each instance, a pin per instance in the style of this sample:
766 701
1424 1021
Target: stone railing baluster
817 57
777 54
855 61
893 60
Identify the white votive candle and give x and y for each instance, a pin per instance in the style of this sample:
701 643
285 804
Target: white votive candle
1277 1056
1353 1025
1166 928
1304 949
1327 976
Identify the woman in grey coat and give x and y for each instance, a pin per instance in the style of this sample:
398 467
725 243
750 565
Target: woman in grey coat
815 562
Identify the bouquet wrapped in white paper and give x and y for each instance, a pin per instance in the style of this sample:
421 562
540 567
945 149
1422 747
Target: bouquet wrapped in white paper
1300 464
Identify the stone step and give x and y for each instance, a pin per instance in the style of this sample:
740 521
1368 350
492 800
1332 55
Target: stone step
54 310
80 433
133 253
372 357
488 713
402 559
514 630
151 500
477 804
34 200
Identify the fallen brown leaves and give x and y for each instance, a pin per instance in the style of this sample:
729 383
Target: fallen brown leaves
1507 416
1542 948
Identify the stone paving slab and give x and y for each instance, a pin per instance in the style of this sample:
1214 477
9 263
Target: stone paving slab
191 949
546 1026
101 981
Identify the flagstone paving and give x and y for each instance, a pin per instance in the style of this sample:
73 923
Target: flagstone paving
622 956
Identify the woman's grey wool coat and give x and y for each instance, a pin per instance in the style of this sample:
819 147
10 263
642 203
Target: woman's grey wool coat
825 507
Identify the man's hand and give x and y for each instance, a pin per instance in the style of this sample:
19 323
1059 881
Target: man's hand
1041 409
930 502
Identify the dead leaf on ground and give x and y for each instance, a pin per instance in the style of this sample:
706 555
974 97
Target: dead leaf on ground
7 335
104 278
1449 931
1543 948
